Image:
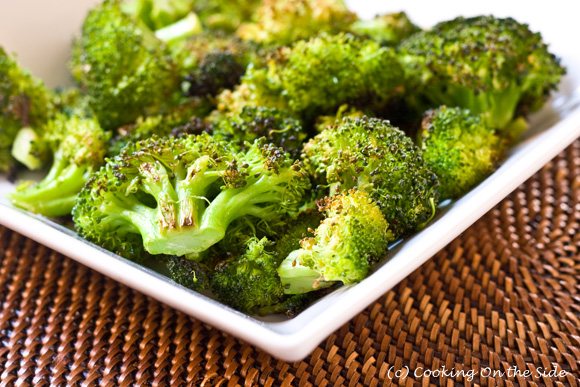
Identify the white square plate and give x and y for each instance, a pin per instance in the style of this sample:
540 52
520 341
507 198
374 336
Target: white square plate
552 129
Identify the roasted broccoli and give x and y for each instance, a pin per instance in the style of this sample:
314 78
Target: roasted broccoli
459 148
373 156
24 102
225 15
353 235
277 126
495 67
188 273
213 63
352 71
132 77
389 29
181 194
281 23
78 147
249 281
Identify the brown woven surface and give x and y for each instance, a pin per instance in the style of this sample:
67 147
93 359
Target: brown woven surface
506 293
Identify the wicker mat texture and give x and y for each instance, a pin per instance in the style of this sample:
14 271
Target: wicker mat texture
504 295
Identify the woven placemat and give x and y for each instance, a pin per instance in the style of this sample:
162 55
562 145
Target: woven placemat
503 296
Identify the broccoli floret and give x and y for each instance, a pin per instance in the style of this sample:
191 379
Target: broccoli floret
459 148
389 29
213 62
78 147
225 15
132 77
373 156
495 67
281 23
353 236
24 102
216 71
353 71
277 126
249 282
181 194
188 273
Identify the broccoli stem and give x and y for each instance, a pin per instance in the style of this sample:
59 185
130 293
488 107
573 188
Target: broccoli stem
298 279
188 26
497 108
22 149
198 235
55 195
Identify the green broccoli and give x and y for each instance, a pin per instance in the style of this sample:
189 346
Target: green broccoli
181 194
157 14
78 147
277 126
188 273
352 71
281 23
225 15
249 281
353 236
389 29
24 102
375 157
133 77
459 148
495 67
216 71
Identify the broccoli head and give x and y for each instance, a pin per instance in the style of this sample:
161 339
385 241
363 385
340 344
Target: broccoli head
216 71
488 65
353 235
24 102
181 194
459 148
188 273
375 157
354 71
249 281
281 23
277 126
213 62
225 15
389 29
125 80
78 147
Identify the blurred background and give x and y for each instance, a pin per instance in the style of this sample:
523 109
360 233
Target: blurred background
40 31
